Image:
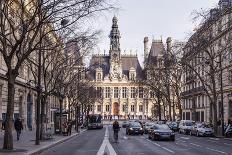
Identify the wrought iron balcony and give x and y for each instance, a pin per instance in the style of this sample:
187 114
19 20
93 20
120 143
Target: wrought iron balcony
193 91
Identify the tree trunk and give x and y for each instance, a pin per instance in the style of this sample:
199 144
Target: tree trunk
42 118
8 137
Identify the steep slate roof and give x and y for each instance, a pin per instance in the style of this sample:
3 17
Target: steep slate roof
99 61
157 48
131 61
102 61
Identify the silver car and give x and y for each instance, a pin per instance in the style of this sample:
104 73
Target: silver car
200 129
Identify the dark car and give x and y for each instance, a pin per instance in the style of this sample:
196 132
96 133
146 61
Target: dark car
125 124
134 128
161 131
173 126
228 132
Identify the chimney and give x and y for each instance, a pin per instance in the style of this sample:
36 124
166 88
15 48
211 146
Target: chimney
145 48
169 42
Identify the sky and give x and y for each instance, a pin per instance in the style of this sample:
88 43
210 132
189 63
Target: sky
155 19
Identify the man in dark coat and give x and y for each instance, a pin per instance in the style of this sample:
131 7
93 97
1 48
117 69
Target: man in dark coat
18 127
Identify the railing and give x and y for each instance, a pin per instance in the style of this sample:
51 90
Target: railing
193 91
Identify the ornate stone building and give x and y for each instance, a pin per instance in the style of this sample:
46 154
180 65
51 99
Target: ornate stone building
114 75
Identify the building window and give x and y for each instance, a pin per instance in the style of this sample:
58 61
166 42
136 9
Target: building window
107 92
124 92
99 92
124 108
133 92
230 76
132 108
99 77
230 109
140 92
91 108
115 92
199 101
203 101
99 108
140 108
152 94
107 108
132 76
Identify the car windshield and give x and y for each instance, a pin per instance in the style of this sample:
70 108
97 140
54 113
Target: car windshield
188 123
204 126
163 127
149 124
135 125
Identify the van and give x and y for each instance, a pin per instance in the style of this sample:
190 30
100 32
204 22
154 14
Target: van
185 126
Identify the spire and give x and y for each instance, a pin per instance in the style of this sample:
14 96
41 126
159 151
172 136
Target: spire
114 35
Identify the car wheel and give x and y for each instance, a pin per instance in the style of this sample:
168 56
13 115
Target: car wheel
149 137
179 131
172 139
197 134
190 133
141 133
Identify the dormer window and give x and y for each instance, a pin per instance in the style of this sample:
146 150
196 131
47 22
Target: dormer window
99 74
132 76
99 77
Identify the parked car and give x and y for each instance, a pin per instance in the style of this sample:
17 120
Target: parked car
147 127
134 128
200 129
125 124
173 126
228 132
161 131
185 126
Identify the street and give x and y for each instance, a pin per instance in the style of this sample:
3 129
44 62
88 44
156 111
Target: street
89 143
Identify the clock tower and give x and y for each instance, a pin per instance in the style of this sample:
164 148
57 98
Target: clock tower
115 51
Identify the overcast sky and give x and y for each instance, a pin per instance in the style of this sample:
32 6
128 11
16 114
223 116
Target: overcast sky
152 18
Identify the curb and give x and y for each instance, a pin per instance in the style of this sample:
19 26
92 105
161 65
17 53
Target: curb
40 150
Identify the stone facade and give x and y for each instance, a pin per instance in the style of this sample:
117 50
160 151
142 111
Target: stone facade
196 104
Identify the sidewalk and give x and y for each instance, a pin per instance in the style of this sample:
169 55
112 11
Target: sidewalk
26 144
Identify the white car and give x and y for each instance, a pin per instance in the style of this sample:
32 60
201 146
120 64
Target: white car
185 126
201 130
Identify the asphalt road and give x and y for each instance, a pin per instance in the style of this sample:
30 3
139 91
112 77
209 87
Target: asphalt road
184 145
89 143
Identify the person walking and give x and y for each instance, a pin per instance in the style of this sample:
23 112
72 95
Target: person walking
116 129
69 127
18 127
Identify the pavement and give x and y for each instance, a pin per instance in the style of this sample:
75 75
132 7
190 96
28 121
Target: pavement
26 144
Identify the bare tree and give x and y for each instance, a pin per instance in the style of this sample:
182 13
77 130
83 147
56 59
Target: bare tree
205 59
24 26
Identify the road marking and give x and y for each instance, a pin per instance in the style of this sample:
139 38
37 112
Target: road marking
228 139
211 141
168 149
124 137
160 146
214 138
182 141
227 144
106 147
216 150
185 138
195 144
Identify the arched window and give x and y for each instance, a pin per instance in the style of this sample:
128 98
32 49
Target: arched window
99 77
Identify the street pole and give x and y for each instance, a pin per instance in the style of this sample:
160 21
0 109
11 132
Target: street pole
61 102
222 94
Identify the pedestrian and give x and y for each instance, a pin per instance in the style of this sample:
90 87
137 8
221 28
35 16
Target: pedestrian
65 128
69 127
18 127
3 124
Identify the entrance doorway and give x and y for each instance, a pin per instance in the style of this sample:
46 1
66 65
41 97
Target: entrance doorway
115 109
